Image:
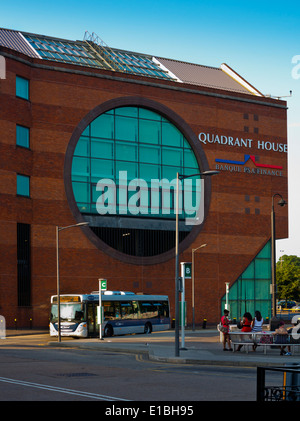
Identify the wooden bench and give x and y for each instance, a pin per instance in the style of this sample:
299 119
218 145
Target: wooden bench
263 339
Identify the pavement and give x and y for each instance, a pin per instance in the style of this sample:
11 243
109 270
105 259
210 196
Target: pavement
200 347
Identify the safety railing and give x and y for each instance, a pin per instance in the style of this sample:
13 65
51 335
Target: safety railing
289 390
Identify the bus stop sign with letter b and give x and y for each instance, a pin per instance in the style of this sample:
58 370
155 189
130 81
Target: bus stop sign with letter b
187 270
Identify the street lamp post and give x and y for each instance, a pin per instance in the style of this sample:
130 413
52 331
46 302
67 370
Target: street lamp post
181 177
58 229
193 284
281 202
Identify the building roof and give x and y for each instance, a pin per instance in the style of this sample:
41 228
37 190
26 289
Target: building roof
208 76
93 52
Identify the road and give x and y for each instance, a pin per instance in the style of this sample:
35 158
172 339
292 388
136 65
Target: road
30 370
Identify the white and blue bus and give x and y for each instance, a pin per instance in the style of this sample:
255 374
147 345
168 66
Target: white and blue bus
124 313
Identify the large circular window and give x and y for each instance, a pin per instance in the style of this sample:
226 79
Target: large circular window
120 174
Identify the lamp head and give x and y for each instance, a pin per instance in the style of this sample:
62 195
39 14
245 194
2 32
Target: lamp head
210 172
282 202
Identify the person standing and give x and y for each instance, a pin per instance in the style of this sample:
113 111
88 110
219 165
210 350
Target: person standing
225 321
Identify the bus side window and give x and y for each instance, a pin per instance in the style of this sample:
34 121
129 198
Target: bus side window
117 311
126 310
166 308
163 309
108 310
136 310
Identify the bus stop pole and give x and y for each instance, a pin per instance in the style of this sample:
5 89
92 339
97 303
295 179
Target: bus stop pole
177 352
183 306
100 311
58 285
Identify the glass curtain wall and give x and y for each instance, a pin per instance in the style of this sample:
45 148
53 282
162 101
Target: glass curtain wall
251 291
138 153
138 142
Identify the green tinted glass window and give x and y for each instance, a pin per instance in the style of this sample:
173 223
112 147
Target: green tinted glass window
172 156
171 135
126 151
189 159
22 87
102 148
131 169
83 146
149 172
103 126
23 185
81 192
22 136
126 128
150 154
251 291
149 131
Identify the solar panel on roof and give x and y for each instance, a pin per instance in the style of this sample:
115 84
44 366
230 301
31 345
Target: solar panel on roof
140 64
86 54
63 51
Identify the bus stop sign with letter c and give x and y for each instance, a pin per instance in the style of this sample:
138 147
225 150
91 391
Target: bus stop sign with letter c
103 284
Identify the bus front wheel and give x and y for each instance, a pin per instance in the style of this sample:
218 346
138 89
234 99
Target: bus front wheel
108 331
148 328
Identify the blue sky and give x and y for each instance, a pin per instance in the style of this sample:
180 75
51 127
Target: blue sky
258 39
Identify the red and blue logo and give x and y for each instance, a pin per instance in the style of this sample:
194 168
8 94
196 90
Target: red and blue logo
246 159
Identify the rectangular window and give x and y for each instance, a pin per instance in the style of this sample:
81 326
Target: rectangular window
126 151
126 128
190 160
172 156
82 192
101 148
80 169
23 185
103 127
149 131
150 154
24 267
22 136
22 87
171 135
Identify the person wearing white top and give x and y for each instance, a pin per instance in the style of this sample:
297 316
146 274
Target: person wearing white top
256 325
257 322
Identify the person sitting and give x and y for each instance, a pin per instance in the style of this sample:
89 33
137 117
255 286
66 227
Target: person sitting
282 338
245 326
256 325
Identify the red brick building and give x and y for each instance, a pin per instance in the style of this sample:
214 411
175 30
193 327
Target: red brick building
74 112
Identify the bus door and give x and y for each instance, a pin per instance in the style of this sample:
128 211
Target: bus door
92 319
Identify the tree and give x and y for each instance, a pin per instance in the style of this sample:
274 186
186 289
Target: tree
288 278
